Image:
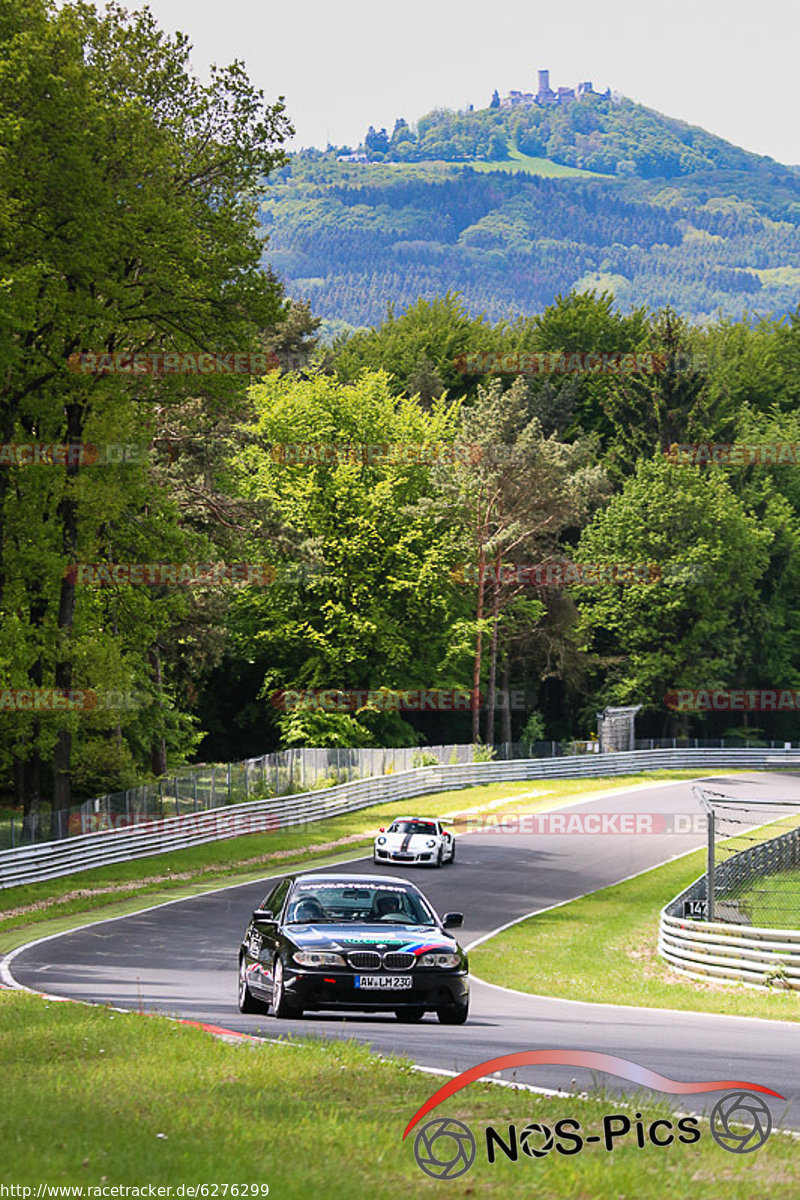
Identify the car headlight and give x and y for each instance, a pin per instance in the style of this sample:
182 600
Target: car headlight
380 840
431 842
439 960
318 958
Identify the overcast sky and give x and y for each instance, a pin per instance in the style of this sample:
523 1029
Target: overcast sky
730 66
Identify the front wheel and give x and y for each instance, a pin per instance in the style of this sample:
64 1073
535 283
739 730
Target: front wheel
247 1002
439 857
453 1014
452 857
280 1005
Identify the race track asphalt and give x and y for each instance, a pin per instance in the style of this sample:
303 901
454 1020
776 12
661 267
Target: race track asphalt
181 958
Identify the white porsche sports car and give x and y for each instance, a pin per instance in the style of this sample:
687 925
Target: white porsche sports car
415 840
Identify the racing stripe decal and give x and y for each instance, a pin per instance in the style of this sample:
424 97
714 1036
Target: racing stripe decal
423 947
406 843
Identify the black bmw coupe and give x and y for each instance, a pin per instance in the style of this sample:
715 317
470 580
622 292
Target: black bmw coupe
367 943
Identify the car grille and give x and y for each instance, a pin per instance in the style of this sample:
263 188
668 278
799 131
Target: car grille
398 961
365 960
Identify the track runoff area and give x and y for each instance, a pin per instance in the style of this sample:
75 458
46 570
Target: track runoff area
180 958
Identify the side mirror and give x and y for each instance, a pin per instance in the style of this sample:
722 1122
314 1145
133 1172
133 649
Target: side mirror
381 830
452 920
263 914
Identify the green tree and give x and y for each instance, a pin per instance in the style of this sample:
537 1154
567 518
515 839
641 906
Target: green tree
295 339
685 629
374 606
512 492
127 222
422 349
648 412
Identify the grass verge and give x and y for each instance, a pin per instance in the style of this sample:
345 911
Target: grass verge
603 949
773 901
58 904
98 1098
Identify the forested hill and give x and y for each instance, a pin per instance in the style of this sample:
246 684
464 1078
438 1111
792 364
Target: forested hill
512 207
608 136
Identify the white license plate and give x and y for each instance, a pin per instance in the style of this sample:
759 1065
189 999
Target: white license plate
381 983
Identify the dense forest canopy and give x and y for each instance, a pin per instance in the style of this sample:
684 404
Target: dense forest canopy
380 503
351 239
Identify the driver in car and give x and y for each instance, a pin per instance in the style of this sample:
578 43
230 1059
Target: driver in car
307 908
386 906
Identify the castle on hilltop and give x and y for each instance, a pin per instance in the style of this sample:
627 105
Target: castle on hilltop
546 97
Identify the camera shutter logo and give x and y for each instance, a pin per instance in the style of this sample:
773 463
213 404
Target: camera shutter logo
444 1148
736 1109
528 1138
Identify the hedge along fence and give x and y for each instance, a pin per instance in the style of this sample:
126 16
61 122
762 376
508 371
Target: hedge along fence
138 839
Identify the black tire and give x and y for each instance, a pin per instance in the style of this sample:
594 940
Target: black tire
247 1001
454 1014
439 857
281 1008
409 1015
452 857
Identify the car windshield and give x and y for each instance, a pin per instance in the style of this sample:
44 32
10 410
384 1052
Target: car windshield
413 827
326 903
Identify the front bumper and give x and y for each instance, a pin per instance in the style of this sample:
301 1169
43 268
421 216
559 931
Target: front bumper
398 856
336 989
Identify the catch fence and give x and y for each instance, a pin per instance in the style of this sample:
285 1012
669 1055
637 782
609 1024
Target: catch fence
741 919
132 838
291 772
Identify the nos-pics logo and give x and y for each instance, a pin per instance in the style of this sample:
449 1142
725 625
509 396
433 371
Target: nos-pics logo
446 1148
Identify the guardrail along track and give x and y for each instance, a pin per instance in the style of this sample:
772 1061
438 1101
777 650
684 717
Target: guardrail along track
730 950
48 860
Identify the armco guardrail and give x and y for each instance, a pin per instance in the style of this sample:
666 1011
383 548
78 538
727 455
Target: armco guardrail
732 950
286 772
739 953
49 860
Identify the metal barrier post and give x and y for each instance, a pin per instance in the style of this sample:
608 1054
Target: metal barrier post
710 866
